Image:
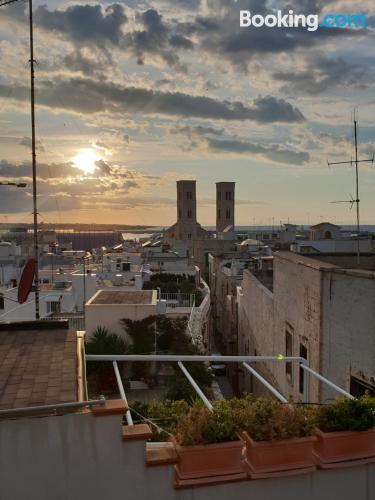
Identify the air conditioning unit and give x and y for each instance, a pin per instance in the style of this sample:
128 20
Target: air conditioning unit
117 280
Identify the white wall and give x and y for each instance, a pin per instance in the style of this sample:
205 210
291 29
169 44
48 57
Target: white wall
82 457
110 315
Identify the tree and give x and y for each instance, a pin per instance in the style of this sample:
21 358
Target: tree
102 341
143 334
160 333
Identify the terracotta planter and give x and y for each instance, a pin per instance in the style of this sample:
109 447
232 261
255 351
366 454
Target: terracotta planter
335 449
212 463
290 456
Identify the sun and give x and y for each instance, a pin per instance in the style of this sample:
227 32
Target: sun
85 160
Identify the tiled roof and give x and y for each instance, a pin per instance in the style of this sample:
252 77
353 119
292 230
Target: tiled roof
37 367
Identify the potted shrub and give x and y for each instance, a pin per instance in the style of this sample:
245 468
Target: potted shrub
279 437
346 432
165 414
208 446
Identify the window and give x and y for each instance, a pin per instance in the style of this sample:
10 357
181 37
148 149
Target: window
2 306
189 213
228 195
303 354
288 352
228 213
219 213
189 236
328 235
219 196
189 195
53 307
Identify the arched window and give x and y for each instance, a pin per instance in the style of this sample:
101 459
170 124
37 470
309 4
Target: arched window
328 235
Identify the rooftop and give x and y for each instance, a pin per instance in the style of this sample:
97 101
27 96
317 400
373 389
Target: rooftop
38 364
127 297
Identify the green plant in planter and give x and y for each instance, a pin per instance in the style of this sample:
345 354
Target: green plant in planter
266 419
200 426
347 415
165 414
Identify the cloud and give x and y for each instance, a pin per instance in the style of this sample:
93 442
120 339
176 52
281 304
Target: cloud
62 187
218 31
323 74
84 23
103 167
26 141
156 39
273 152
88 65
90 96
190 130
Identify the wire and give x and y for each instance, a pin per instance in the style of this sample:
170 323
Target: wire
159 429
7 2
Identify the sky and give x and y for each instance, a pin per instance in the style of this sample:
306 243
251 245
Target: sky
134 95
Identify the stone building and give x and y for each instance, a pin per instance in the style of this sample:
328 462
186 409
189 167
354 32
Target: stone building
316 310
225 205
186 228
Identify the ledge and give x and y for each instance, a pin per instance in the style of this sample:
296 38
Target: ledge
136 432
110 407
160 454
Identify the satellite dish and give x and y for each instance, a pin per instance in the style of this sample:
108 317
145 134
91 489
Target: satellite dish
26 281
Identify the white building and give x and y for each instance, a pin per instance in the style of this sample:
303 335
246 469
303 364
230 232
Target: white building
315 310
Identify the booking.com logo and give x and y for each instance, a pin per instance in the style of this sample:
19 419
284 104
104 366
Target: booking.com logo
310 21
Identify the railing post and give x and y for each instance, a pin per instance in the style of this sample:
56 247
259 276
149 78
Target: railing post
195 386
122 392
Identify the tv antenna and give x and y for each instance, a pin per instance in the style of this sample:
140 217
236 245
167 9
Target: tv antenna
355 200
3 3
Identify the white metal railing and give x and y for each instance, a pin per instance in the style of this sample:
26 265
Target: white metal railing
245 360
42 408
76 322
178 299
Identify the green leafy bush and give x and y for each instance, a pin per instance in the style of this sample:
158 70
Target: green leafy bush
347 415
200 426
171 283
165 414
266 419
102 341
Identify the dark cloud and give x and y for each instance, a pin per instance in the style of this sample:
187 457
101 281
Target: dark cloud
84 23
190 130
157 39
219 32
62 187
103 167
89 96
26 141
78 61
323 74
44 171
271 152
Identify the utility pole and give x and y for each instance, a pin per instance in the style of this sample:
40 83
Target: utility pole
33 152
356 200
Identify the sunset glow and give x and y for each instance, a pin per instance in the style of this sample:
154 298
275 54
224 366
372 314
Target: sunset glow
85 160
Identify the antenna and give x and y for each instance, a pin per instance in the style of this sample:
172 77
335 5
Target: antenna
355 200
3 3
